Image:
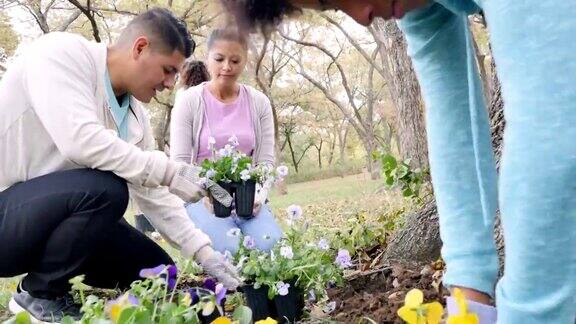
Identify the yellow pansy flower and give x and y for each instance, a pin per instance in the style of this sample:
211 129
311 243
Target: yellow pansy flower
464 317
222 320
415 312
186 300
116 307
268 320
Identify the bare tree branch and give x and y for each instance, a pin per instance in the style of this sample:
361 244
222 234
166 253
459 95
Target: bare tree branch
334 59
371 61
66 24
88 12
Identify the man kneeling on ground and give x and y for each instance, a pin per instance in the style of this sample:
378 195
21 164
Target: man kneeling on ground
74 142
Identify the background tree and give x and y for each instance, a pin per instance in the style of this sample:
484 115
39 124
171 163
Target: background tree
355 89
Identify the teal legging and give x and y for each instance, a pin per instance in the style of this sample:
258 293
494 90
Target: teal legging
534 46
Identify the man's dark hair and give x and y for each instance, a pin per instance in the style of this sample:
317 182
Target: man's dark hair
193 73
259 15
165 32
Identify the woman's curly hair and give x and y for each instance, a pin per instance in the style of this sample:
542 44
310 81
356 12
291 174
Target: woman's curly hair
193 73
259 15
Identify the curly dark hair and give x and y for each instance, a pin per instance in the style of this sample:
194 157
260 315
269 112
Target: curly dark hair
193 73
259 15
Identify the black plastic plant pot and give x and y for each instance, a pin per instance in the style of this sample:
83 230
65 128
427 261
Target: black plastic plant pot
290 308
219 209
202 292
142 224
257 300
245 193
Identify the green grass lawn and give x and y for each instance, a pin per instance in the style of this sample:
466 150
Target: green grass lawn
307 193
327 204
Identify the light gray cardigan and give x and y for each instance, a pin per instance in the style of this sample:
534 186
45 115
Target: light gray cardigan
188 116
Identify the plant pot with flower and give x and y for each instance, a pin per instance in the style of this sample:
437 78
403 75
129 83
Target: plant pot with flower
160 297
235 172
244 198
220 210
293 268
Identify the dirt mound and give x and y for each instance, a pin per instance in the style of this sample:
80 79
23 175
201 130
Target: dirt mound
378 294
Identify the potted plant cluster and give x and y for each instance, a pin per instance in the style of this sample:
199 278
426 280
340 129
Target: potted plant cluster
236 173
160 297
279 280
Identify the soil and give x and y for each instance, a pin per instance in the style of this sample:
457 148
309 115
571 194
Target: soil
4 314
379 293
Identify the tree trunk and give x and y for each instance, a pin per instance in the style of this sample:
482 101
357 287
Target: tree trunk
405 91
292 153
319 153
332 149
419 241
374 167
342 138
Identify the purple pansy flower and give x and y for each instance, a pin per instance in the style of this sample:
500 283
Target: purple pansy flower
133 300
169 273
124 301
343 259
194 296
220 292
172 275
209 284
217 288
152 273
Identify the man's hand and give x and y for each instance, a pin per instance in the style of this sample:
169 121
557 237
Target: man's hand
218 193
186 184
216 265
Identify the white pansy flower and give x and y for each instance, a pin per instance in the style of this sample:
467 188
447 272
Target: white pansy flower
294 212
286 251
233 232
210 173
282 171
233 140
245 175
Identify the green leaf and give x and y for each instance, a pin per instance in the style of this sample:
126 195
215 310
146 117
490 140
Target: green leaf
243 314
389 162
143 317
390 181
402 171
67 320
127 315
408 192
21 318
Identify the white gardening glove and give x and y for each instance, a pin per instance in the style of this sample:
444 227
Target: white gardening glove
216 265
184 181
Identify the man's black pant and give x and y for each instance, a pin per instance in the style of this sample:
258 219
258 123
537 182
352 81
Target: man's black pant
67 223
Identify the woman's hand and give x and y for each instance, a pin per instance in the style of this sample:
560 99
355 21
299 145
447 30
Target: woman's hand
257 207
208 204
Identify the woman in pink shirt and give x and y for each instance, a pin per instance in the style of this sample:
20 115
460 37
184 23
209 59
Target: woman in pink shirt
223 108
